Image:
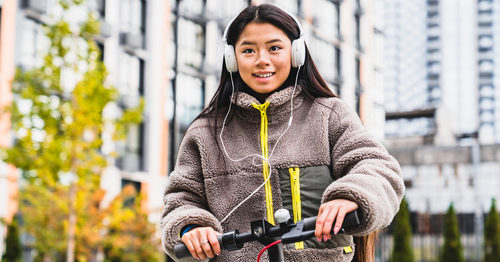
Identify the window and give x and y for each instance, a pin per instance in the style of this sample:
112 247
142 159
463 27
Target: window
337 6
130 196
358 86
486 116
0 21
290 6
129 79
132 158
39 6
33 42
486 67
485 19
432 2
99 6
486 104
405 127
485 42
433 30
357 18
434 67
172 45
228 8
433 54
325 18
434 94
189 101
432 14
338 65
133 16
192 41
486 91
170 114
186 92
101 51
131 88
324 55
485 7
191 7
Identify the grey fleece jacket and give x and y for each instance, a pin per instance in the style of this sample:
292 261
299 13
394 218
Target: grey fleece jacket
206 185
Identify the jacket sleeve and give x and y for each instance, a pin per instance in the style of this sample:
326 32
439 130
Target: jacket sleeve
185 199
364 171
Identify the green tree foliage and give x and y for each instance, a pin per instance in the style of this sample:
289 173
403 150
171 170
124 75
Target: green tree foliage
452 250
13 247
58 118
402 250
128 229
45 215
492 235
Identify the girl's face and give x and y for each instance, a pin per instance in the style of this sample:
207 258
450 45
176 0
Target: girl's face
263 54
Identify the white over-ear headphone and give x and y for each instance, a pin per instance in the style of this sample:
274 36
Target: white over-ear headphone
298 49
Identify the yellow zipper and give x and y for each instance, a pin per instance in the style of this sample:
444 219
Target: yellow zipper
265 168
297 207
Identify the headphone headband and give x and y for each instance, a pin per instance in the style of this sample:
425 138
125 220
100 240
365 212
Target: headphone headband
224 36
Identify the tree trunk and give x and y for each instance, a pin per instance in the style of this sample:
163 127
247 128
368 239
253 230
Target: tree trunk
70 252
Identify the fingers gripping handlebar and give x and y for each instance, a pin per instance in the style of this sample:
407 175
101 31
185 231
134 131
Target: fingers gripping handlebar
263 232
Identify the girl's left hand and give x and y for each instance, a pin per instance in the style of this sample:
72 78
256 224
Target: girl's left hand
328 212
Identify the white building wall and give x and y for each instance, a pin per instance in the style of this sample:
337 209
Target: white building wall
459 97
496 55
373 111
434 187
405 55
349 51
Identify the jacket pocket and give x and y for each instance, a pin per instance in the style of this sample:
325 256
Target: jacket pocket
301 191
313 182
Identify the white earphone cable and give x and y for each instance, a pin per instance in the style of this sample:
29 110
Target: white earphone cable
255 155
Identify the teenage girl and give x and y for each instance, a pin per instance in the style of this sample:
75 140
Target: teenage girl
275 136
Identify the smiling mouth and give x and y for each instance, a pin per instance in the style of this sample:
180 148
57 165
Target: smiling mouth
263 75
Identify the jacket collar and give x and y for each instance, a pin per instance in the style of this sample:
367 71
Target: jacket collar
277 99
279 106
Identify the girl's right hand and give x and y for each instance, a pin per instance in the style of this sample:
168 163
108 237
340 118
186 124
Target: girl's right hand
202 242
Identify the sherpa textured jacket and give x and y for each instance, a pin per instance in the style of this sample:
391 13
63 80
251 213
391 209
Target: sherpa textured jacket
326 142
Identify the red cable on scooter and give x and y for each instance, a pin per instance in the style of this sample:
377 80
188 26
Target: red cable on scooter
265 248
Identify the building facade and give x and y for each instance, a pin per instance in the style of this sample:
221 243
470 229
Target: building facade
441 122
170 54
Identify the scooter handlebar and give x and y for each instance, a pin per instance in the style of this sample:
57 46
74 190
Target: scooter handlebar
227 241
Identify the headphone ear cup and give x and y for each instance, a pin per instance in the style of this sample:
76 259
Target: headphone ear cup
298 52
230 58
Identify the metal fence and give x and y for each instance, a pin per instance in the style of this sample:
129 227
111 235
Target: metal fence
426 247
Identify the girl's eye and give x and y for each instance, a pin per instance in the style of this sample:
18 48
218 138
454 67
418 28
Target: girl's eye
247 51
274 48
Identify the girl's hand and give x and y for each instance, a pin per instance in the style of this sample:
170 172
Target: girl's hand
328 212
202 242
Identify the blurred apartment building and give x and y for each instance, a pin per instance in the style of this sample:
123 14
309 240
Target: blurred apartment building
442 85
170 53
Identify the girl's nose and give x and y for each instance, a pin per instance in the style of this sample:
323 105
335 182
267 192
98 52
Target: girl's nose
263 59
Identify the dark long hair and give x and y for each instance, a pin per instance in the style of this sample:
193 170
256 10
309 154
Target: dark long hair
313 85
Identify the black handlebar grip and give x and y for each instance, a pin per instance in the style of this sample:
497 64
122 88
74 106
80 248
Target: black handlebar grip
351 219
181 250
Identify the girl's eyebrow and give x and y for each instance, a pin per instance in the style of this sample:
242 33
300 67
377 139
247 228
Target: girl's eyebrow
254 43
